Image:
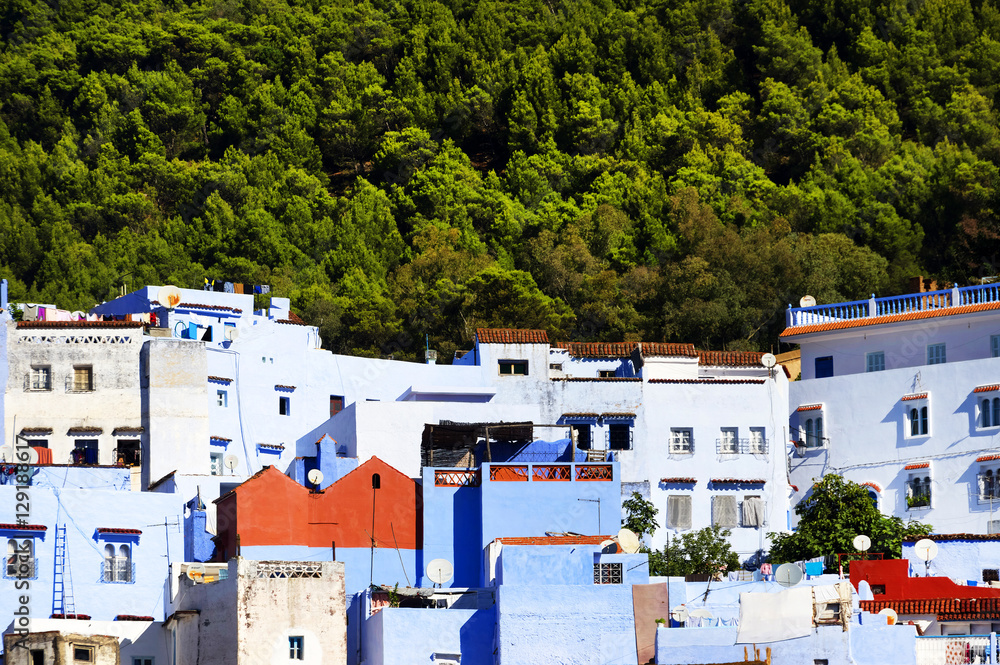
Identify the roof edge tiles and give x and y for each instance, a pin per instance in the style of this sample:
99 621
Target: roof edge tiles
511 336
987 458
679 481
891 318
553 540
730 358
918 465
668 349
219 379
987 389
738 481
874 486
717 382
952 536
810 407
913 396
56 325
116 530
23 527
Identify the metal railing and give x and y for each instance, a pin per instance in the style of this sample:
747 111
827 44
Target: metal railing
117 571
741 446
548 472
954 649
457 478
891 305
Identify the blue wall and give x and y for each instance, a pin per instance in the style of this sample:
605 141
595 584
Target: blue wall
84 511
452 531
578 625
75 477
410 635
564 564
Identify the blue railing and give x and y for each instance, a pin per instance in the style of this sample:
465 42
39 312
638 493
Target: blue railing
892 305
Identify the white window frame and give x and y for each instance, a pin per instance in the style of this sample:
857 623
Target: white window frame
727 498
681 441
80 371
610 572
15 550
215 464
875 361
222 398
41 378
812 428
296 647
988 484
511 364
729 441
995 346
922 408
143 660
118 567
284 405
988 415
758 440
924 478
937 354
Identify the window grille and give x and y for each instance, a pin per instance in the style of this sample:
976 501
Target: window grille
681 441
607 573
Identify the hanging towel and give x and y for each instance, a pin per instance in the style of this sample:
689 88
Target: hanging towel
765 569
826 593
753 512
192 331
44 454
265 288
772 617
814 568
228 287
238 288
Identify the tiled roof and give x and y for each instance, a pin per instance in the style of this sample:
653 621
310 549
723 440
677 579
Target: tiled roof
598 349
892 318
23 527
279 386
578 379
581 415
219 438
810 407
730 358
913 396
987 389
620 414
35 430
85 430
918 465
554 540
668 349
710 381
511 336
874 486
987 458
132 617
35 325
215 308
271 446
128 430
80 617
295 318
945 609
952 536
291 322
126 532
679 481
738 481
219 379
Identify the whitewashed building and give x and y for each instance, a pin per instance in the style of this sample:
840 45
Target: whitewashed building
902 394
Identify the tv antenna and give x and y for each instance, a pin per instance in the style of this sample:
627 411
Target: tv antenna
440 571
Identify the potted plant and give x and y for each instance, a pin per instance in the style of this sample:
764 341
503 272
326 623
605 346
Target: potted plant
661 623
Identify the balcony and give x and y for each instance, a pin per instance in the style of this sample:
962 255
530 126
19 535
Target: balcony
524 473
858 310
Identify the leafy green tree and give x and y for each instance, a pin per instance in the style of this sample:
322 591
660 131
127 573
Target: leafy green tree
832 515
640 515
703 552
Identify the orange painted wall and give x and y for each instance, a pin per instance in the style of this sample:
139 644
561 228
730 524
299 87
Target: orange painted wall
272 509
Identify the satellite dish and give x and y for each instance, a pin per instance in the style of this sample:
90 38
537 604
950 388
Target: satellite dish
862 543
788 575
890 615
440 571
700 614
315 476
231 461
231 333
679 613
195 572
628 541
32 456
807 301
768 360
609 547
925 549
169 296
6 453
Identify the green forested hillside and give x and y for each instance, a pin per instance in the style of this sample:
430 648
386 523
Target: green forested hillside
605 169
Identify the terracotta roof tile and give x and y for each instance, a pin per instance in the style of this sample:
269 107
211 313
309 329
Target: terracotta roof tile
578 379
85 430
987 389
279 386
987 458
730 358
127 532
874 486
291 322
918 465
598 349
892 318
913 396
195 305
810 407
554 540
79 617
738 481
511 336
945 609
711 381
133 617
668 349
35 325
219 438
23 527
679 481
219 379
36 430
128 430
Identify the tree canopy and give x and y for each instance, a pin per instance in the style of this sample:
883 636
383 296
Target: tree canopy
607 170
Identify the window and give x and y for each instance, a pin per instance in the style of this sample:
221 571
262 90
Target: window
216 464
513 368
142 660
20 559
814 432
117 564
724 511
41 377
37 657
128 453
995 346
619 437
989 488
681 441
758 442
284 406
753 511
729 441
873 495
555 367
824 367
606 374
679 511
83 378
221 398
991 575
989 412
85 451
935 354
295 647
336 404
918 420
876 361
83 654
918 492
607 573
581 433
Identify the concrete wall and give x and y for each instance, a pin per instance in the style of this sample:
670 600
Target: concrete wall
74 477
412 636
576 625
136 639
525 565
959 560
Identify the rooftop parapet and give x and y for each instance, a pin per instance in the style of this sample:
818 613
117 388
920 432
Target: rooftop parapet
891 309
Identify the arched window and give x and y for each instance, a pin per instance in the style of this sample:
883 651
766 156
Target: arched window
810 436
989 484
985 418
923 420
124 564
819 431
914 422
873 495
109 563
996 411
